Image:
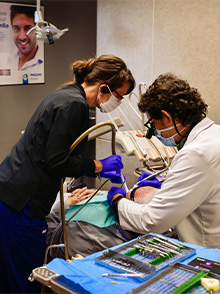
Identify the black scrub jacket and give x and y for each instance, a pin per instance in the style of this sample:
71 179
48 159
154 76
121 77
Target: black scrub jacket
31 173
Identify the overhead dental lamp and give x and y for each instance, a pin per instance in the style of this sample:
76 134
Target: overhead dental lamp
45 30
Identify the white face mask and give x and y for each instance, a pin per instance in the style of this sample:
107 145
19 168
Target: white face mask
109 105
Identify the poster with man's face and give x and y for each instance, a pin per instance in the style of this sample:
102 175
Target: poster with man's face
21 53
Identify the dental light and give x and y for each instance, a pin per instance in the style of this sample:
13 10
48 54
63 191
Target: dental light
45 30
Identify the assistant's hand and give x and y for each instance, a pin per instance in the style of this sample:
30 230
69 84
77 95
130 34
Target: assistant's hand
112 192
153 182
112 163
113 177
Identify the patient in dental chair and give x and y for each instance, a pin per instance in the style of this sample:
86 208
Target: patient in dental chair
94 228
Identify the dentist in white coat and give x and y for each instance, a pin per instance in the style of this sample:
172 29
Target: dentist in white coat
189 198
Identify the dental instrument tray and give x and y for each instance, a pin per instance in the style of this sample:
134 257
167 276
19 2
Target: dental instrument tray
176 279
144 256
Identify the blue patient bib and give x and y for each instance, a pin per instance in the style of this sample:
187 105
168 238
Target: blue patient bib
97 212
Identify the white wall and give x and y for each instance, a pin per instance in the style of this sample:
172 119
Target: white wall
159 36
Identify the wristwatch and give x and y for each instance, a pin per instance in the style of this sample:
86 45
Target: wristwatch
132 192
115 202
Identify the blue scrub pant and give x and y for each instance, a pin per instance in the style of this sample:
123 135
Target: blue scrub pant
22 248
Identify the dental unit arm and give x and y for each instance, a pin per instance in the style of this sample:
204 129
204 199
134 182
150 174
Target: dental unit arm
45 30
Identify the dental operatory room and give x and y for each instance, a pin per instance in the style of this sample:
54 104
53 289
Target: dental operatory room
109 146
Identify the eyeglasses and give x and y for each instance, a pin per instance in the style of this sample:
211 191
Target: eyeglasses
120 97
151 128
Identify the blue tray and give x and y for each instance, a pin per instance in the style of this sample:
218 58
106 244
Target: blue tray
170 279
140 264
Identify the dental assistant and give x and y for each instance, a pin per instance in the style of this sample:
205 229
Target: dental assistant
189 198
30 175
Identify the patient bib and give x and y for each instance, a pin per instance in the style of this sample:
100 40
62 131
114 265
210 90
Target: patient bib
97 212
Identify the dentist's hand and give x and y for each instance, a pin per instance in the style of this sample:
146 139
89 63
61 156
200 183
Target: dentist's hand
111 193
153 182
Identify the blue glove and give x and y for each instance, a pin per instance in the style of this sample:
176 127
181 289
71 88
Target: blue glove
112 192
153 182
113 177
111 163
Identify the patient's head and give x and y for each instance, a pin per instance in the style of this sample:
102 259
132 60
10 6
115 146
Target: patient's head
143 195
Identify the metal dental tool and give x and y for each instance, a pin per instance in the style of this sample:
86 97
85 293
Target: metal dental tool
168 245
142 150
124 184
121 275
162 247
168 241
145 249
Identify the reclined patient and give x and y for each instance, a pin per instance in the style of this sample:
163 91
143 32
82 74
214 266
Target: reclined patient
94 228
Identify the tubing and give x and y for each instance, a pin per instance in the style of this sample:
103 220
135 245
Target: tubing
72 147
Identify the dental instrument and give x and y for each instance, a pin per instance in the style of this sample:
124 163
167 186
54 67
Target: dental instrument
124 183
121 275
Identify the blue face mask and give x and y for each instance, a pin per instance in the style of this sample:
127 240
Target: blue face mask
167 141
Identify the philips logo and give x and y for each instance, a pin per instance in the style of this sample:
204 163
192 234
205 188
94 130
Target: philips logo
36 75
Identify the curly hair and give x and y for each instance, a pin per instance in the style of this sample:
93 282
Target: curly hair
174 95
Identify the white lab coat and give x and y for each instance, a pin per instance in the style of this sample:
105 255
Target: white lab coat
190 196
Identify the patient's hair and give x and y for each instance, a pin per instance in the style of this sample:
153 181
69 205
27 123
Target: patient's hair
107 68
174 95
144 195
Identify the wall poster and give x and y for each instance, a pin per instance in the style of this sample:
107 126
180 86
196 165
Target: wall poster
21 54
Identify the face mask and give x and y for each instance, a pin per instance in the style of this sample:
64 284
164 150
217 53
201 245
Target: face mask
167 141
111 104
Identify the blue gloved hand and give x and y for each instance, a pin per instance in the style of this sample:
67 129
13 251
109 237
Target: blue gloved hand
153 182
112 192
113 177
111 163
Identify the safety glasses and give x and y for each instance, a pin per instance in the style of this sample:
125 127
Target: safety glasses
119 97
